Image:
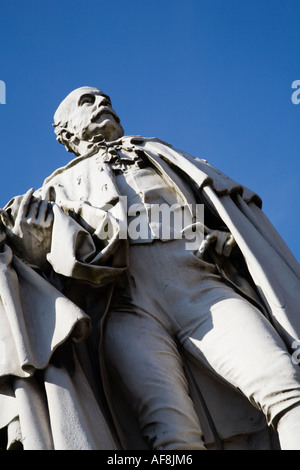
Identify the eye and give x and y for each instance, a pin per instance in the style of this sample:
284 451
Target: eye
107 100
86 99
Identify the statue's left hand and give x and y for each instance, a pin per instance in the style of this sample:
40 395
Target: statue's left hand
224 243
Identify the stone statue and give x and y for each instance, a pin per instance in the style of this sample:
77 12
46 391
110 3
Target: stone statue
119 330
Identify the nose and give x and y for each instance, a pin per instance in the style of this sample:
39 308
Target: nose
102 101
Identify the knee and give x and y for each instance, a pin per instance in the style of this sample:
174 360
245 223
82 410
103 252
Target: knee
280 394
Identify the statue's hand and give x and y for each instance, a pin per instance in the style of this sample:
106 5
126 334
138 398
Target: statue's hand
28 224
224 242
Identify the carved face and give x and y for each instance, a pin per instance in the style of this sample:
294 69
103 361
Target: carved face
89 115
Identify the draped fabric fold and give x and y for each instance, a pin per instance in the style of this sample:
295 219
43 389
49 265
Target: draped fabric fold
44 406
35 318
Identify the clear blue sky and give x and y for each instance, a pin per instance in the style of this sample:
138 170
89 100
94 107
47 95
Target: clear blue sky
211 77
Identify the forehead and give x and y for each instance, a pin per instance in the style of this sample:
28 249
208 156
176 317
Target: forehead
76 94
71 101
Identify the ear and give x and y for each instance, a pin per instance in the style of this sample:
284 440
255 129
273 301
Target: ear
69 140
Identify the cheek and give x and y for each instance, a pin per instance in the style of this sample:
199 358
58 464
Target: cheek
80 120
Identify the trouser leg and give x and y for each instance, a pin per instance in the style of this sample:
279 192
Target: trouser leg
238 343
145 360
213 323
289 429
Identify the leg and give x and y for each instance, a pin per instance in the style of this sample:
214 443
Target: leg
213 323
146 361
244 349
288 429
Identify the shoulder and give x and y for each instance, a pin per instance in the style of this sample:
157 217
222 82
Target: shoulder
71 167
140 140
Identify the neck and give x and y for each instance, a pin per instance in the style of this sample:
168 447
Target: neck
85 149
81 147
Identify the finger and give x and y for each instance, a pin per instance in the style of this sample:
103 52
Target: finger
33 209
49 194
229 245
41 210
45 211
206 243
221 240
212 237
25 205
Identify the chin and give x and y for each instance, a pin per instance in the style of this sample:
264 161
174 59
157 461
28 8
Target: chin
112 133
110 130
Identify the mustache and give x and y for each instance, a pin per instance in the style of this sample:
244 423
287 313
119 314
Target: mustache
105 110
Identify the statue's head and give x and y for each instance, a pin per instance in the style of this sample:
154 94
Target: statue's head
86 116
